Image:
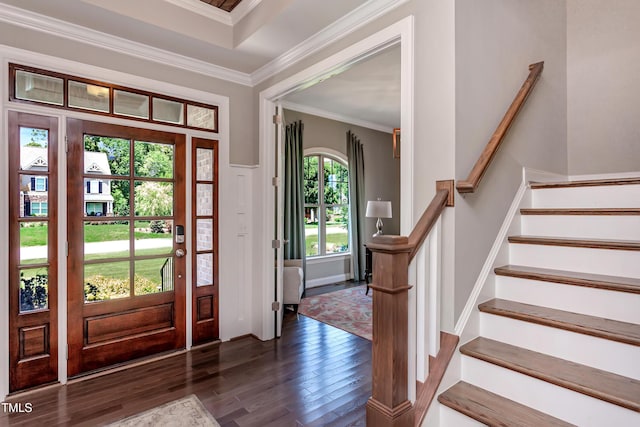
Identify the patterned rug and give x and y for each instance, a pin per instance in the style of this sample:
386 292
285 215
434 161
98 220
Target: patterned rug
348 309
186 412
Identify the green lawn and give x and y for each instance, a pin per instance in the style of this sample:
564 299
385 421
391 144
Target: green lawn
338 239
37 236
149 269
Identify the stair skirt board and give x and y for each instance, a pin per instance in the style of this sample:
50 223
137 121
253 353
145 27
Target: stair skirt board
614 305
612 356
559 402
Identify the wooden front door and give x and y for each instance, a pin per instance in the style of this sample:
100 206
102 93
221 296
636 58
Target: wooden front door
126 264
33 254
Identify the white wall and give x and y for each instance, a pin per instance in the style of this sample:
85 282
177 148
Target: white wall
603 83
496 40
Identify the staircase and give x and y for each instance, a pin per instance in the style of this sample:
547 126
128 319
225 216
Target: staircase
560 343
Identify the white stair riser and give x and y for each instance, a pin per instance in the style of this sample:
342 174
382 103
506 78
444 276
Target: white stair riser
587 260
449 417
622 306
608 196
614 227
556 401
612 356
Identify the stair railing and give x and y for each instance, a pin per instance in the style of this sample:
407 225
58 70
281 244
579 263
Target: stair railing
470 185
389 404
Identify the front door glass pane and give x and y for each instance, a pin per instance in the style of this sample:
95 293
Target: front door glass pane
106 156
153 276
152 160
153 198
33 243
106 240
106 281
153 237
34 289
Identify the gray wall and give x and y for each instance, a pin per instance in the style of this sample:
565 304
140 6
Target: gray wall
495 42
603 73
381 170
243 148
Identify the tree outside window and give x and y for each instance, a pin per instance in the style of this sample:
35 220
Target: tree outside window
326 198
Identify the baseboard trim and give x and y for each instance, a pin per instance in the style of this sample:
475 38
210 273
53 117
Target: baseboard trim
321 281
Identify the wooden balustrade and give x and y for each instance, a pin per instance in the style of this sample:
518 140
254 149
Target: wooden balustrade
389 404
470 185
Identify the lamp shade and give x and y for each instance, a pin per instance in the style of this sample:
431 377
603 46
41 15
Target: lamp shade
378 209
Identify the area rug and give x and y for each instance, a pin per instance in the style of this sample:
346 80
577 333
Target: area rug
183 412
348 309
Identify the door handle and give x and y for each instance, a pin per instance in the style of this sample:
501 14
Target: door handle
180 253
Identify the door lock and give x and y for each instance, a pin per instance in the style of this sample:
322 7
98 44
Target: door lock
180 253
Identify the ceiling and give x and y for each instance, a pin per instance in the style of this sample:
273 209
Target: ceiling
367 94
247 44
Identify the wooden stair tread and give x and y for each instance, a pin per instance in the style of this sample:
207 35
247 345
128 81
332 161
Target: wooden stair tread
628 245
494 410
603 385
624 332
586 183
581 211
600 281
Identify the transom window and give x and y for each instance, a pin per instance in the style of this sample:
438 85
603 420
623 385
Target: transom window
326 205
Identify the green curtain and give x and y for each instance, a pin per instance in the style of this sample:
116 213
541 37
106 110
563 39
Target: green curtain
293 192
355 156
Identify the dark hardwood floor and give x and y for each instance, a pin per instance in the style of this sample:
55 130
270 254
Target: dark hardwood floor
315 375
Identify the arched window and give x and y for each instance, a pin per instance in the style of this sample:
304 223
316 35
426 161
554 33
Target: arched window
326 205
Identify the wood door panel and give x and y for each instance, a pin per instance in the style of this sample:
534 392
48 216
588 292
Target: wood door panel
117 326
103 356
205 308
34 341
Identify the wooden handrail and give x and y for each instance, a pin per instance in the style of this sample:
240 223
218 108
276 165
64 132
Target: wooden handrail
427 221
470 185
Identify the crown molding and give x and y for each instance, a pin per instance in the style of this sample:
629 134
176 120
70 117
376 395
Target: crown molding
45 24
334 116
344 26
